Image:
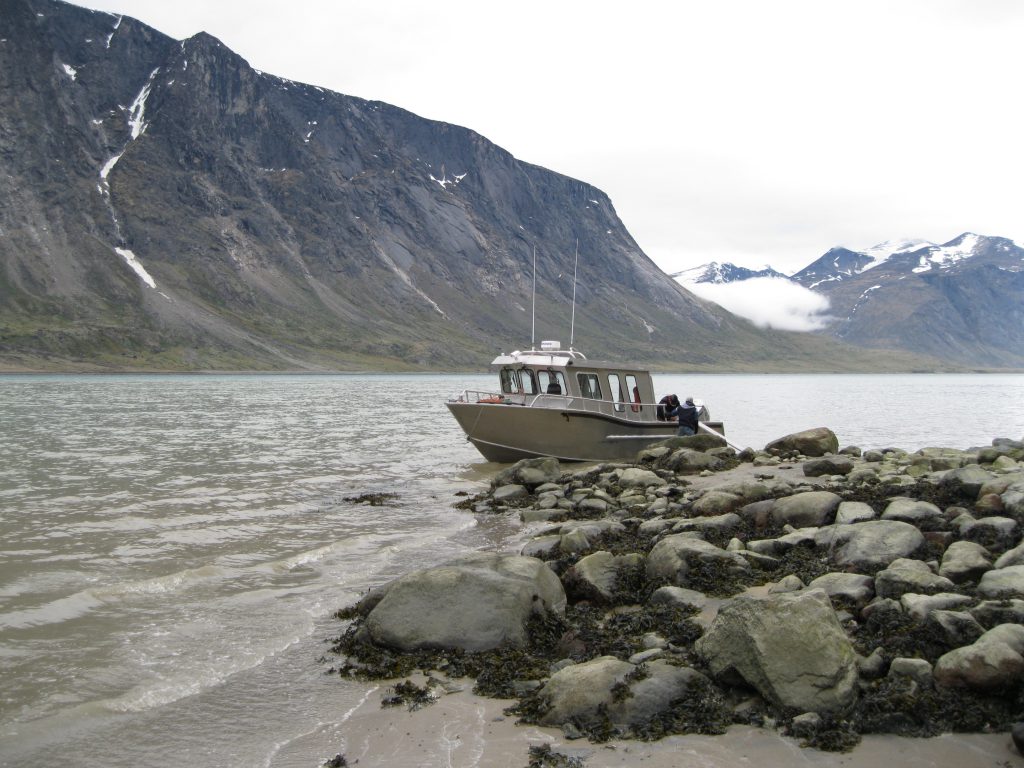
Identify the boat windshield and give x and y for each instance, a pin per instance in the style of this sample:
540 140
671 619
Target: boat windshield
518 381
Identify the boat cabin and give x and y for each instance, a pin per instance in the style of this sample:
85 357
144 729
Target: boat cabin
538 377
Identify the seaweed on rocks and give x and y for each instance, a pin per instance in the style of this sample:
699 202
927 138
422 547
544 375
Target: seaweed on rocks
832 733
372 499
411 695
703 710
543 756
900 706
899 635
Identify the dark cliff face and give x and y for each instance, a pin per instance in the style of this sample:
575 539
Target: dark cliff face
168 206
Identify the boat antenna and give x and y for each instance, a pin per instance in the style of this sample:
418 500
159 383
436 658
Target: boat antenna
572 324
533 326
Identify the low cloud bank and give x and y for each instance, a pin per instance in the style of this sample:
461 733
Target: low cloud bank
769 302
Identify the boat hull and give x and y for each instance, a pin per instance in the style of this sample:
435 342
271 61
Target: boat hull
507 433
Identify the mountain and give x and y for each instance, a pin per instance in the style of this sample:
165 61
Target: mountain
961 301
166 206
718 274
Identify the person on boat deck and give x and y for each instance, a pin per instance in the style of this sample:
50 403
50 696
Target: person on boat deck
666 404
687 415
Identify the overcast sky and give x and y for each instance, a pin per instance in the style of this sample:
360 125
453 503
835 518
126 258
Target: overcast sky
751 131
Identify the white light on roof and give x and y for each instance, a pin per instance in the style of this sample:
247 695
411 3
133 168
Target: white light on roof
550 346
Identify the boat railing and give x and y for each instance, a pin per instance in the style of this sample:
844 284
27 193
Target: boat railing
621 410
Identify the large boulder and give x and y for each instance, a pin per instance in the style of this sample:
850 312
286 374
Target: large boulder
871 545
807 509
529 473
854 588
674 557
790 647
634 477
476 603
606 690
810 442
994 661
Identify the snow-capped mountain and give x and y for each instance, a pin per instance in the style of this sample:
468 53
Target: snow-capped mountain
962 300
721 273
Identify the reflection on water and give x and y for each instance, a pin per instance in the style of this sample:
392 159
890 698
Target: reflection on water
172 547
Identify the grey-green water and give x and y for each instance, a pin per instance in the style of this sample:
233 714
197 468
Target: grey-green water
172 547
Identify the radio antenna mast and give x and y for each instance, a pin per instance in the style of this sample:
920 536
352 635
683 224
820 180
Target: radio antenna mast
533 326
572 324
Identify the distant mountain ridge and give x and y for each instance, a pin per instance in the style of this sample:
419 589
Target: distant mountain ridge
718 274
166 206
962 300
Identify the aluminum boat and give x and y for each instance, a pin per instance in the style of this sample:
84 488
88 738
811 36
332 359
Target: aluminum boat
554 402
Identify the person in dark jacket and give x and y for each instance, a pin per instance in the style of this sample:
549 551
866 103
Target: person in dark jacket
687 415
666 404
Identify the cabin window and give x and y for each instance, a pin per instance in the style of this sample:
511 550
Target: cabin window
527 382
615 391
517 382
552 382
634 392
590 387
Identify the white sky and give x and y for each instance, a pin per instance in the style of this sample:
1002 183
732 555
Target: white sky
751 131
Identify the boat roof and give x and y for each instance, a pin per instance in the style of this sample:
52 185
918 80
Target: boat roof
551 356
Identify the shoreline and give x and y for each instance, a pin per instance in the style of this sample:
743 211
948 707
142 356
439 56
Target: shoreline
463 729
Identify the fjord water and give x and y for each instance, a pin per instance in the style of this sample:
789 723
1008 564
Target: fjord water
172 548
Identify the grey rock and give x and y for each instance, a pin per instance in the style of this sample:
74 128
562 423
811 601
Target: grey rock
993 661
802 510
1002 531
904 575
828 465
679 597
675 556
991 613
967 480
634 477
529 472
873 544
790 647
956 628
542 547
911 511
850 512
1003 582
585 694
850 587
722 524
507 493
964 561
595 576
716 503
1013 556
920 607
810 442
918 670
688 461
475 603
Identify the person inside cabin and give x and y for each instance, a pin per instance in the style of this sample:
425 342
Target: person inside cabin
666 404
554 388
687 415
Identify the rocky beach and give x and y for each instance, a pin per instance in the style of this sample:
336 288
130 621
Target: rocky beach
804 604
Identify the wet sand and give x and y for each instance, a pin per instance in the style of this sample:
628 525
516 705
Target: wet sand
461 730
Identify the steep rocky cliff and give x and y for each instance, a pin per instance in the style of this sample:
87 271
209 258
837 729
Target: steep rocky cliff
168 206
